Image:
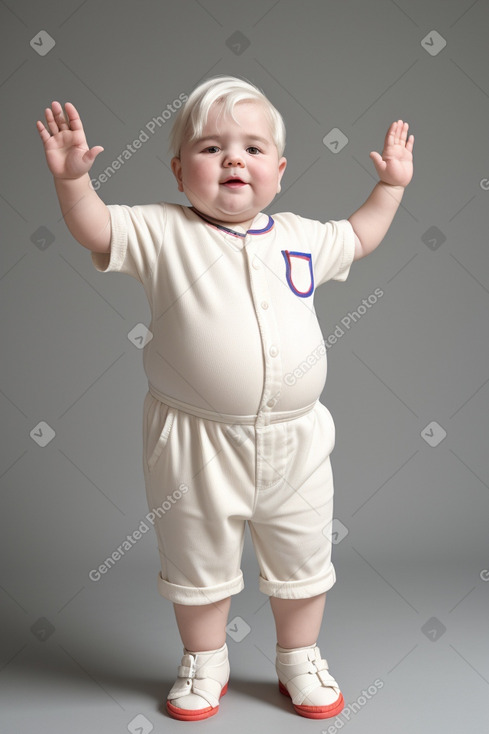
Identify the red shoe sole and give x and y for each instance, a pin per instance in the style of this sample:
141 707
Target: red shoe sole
194 715
316 712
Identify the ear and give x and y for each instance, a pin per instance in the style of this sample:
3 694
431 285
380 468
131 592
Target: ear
176 167
282 164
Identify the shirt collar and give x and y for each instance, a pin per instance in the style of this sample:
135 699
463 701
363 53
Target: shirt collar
261 218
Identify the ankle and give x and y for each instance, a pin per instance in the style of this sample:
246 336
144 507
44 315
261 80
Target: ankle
207 651
283 648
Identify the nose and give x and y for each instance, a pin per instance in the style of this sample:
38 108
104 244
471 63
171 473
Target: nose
233 159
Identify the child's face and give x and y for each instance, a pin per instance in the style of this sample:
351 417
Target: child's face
227 150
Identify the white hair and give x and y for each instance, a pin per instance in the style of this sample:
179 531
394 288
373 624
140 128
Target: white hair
228 91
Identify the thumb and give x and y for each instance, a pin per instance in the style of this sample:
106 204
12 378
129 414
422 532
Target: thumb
377 159
91 154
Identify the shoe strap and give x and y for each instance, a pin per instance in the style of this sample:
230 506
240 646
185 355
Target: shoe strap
318 668
202 680
184 671
314 666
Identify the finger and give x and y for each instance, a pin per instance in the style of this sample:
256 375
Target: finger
60 117
42 131
73 116
403 133
378 160
91 154
398 132
51 122
390 136
410 143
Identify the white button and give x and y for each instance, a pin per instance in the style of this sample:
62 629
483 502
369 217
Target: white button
273 351
264 304
256 263
271 403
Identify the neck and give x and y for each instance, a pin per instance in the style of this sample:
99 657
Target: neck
229 225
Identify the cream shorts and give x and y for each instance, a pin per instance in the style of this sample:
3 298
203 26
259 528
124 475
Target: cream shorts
206 478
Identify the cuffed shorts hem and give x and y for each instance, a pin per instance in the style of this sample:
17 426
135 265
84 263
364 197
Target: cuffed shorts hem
302 589
194 595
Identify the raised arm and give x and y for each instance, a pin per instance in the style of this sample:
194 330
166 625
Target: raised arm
69 159
395 169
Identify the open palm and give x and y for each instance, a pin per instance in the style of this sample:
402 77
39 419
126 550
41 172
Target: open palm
67 153
395 165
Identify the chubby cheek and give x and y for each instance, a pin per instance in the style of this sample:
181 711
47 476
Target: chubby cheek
199 173
265 177
269 183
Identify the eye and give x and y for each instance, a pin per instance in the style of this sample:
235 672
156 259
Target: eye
211 149
253 150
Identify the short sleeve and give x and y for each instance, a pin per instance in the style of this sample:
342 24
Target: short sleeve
333 249
137 235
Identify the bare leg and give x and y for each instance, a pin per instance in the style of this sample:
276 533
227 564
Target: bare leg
298 621
203 627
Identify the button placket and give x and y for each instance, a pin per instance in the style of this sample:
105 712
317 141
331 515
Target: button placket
268 332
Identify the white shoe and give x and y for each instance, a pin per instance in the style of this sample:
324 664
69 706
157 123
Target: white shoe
202 680
304 677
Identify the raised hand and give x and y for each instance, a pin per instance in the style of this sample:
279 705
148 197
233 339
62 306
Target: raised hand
67 153
395 165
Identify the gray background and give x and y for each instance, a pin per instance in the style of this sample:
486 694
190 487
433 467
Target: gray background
410 604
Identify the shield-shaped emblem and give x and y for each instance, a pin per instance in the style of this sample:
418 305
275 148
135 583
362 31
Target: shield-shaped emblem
299 273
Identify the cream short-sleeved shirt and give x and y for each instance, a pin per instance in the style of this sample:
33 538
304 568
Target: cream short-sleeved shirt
231 312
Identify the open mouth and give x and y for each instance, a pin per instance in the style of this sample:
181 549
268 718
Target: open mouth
234 183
